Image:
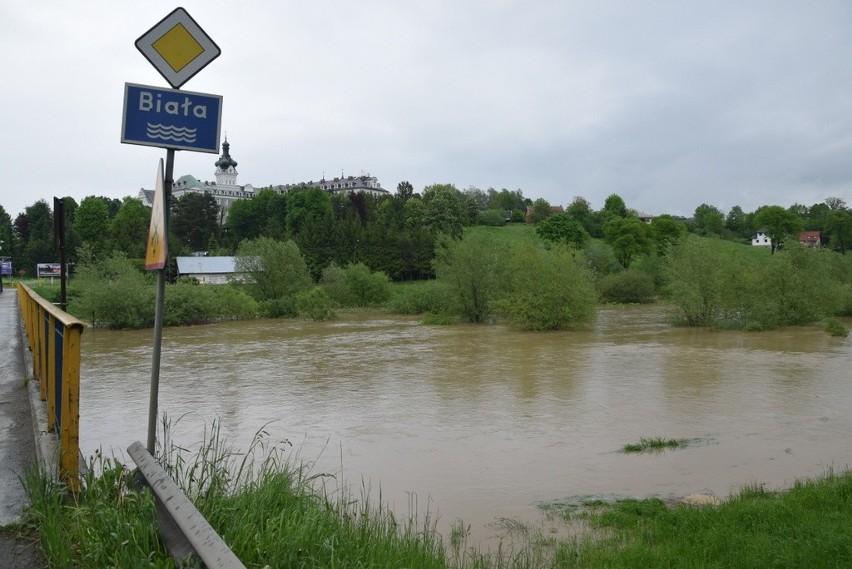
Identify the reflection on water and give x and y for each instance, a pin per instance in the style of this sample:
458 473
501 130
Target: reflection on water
484 422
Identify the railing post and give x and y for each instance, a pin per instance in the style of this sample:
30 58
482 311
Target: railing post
69 425
49 370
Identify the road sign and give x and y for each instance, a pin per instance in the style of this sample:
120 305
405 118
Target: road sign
177 47
157 250
169 118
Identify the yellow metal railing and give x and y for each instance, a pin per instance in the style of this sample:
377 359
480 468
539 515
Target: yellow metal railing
54 340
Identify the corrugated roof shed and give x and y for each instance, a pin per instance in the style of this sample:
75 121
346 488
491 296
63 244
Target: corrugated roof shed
205 265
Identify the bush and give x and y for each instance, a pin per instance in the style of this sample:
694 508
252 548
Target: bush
316 304
836 328
492 217
276 269
627 287
285 307
109 292
419 297
235 304
548 290
356 285
189 304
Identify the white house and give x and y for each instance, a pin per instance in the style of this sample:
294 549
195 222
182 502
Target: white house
761 239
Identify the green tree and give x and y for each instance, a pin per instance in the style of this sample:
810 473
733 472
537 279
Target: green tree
629 238
560 228
444 212
547 289
91 223
541 210
276 269
128 230
471 269
580 210
35 232
614 206
708 220
194 220
778 222
737 222
665 230
404 190
838 225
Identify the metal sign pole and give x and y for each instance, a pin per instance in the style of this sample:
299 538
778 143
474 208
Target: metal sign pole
158 314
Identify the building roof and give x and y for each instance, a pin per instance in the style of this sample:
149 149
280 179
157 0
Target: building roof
205 265
808 236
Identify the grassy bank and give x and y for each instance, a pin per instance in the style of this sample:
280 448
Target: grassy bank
275 512
808 526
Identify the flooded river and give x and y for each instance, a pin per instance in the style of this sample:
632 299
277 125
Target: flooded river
482 422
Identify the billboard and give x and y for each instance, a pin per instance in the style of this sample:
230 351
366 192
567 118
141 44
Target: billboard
6 267
49 270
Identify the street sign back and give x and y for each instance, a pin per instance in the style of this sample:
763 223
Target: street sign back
177 47
169 118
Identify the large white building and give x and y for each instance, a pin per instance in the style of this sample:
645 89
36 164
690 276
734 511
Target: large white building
226 190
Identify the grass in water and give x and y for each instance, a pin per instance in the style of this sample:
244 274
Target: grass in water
654 444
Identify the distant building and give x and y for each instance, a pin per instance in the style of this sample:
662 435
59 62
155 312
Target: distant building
349 184
761 239
208 270
226 190
810 238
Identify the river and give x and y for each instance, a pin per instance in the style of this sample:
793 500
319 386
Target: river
483 423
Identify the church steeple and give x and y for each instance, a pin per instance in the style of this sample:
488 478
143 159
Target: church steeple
226 167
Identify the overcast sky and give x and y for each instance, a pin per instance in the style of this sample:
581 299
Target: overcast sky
668 104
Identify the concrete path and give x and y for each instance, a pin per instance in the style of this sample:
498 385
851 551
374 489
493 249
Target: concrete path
17 437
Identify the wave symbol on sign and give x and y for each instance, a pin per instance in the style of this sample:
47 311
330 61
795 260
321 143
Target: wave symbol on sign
168 132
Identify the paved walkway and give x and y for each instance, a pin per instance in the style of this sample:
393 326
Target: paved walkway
17 436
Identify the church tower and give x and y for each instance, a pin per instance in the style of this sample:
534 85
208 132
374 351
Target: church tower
226 167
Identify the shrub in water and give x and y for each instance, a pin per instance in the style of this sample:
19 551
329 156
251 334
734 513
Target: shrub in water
627 287
285 307
316 304
836 328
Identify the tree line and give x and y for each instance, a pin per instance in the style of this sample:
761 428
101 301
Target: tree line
353 245
396 233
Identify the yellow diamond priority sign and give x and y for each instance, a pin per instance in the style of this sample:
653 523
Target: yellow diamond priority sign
177 47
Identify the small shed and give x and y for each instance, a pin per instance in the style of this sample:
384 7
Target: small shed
207 270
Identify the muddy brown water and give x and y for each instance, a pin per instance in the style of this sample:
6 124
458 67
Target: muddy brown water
484 423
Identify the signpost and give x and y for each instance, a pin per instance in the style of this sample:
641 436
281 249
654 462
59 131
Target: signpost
169 118
175 120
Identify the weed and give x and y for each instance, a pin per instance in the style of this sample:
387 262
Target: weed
654 444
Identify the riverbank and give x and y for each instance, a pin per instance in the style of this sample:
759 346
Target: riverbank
282 517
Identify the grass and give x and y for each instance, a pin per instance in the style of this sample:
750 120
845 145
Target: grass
808 526
654 444
274 511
